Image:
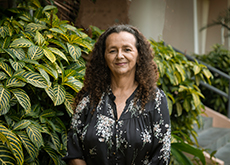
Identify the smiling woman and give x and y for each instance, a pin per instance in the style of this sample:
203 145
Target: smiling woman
120 117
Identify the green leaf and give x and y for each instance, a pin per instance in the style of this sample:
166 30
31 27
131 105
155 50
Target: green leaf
52 154
6 68
22 98
35 26
10 52
48 113
59 94
180 157
69 100
4 31
29 146
207 73
19 53
69 73
186 105
64 139
51 71
74 84
74 51
6 157
196 99
49 55
58 43
21 42
3 76
50 93
15 144
14 82
17 65
181 71
39 39
58 52
35 135
178 108
196 69
50 7
56 30
35 52
45 75
55 140
21 124
35 79
4 100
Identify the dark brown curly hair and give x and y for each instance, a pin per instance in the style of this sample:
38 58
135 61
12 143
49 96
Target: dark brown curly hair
97 76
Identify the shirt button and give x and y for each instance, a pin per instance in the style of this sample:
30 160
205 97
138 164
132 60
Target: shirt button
114 153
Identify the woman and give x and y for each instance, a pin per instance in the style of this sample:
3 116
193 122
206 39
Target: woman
120 117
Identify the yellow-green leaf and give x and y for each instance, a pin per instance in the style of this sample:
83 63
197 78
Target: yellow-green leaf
49 55
14 82
35 52
73 83
4 100
39 39
74 51
21 124
58 52
35 26
17 65
6 156
6 68
35 79
22 98
50 93
35 135
69 99
21 42
178 109
59 94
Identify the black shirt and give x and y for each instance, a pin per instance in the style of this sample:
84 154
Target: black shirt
137 137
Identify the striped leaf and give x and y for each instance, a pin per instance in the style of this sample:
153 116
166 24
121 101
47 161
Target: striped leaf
69 99
17 65
58 43
49 55
39 39
6 157
74 51
19 53
4 100
35 26
56 141
14 82
48 113
22 98
58 52
45 75
59 94
10 52
64 139
3 76
35 135
21 42
29 146
52 154
35 52
56 30
35 79
21 124
74 84
68 73
51 71
15 144
4 31
50 93
6 68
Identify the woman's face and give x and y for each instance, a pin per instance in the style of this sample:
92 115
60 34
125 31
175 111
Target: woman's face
121 53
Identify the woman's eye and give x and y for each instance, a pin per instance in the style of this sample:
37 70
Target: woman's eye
111 51
127 50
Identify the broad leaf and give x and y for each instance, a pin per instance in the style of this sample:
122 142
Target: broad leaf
50 70
74 51
35 52
58 43
4 100
45 75
59 94
74 84
4 31
50 93
52 154
14 82
49 55
15 144
35 135
21 42
68 73
35 79
55 140
39 39
6 68
180 157
6 156
69 99
22 98
19 53
17 65
3 75
21 124
58 52
35 26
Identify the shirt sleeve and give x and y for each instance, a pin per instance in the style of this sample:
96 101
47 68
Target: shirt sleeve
74 143
162 129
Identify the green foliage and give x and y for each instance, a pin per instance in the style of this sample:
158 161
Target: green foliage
179 78
220 59
41 69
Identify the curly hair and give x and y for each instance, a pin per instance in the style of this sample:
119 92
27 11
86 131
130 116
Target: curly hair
97 76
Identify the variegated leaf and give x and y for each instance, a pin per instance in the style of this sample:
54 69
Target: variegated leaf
51 71
52 154
4 31
50 93
15 144
64 138
14 82
19 53
56 141
68 73
3 76
21 124
45 75
39 39
56 30
35 79
29 146
10 52
35 26
35 52
35 135
58 43
4 100
17 65
6 68
69 100
6 156
22 98
48 113
74 51
74 84
58 52
59 93
49 55
21 42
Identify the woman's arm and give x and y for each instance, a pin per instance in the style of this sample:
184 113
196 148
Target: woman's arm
76 162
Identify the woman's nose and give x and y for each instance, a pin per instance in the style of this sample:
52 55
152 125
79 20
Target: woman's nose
120 54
